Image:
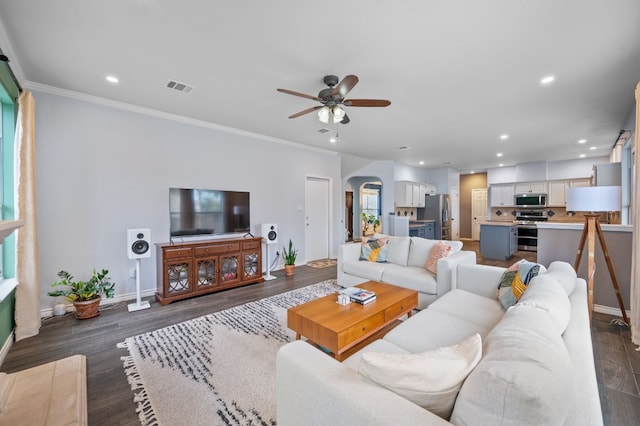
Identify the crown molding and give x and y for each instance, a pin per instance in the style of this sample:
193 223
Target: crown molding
33 86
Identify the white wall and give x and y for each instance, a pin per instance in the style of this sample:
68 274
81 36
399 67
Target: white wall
102 170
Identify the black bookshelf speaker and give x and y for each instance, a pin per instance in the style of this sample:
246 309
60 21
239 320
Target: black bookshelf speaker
138 243
270 233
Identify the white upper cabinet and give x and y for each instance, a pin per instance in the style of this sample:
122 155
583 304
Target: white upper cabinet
558 191
410 194
531 188
557 194
502 195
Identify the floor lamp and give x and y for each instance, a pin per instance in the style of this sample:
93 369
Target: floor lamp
591 200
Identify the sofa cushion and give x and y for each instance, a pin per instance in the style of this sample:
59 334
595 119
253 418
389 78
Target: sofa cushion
374 249
524 377
564 273
439 251
547 293
367 270
514 281
430 329
380 345
470 307
411 277
419 251
399 250
429 379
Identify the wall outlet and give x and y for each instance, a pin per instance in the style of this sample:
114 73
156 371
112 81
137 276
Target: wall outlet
132 273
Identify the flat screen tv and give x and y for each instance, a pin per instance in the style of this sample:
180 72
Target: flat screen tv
208 212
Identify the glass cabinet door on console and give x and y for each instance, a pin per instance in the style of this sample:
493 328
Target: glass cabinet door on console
251 260
178 276
206 272
229 272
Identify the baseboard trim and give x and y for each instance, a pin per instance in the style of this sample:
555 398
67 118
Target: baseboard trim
610 311
5 348
46 313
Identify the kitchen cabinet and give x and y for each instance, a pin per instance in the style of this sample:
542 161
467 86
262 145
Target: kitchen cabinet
558 189
498 241
410 194
423 230
502 195
531 188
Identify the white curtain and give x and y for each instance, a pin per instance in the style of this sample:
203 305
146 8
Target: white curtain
27 314
635 209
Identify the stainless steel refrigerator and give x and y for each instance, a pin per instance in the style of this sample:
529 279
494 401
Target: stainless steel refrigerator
437 208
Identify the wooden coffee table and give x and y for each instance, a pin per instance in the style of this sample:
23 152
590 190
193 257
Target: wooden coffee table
339 328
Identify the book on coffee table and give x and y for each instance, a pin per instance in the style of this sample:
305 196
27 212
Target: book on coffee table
359 295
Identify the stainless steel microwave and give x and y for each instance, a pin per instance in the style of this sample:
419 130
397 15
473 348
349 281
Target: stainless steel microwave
531 200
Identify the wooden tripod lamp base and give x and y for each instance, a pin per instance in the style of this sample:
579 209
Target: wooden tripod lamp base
592 199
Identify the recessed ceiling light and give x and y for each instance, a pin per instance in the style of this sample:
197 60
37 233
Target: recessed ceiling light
583 155
547 79
503 137
499 154
421 163
582 141
500 165
332 140
112 79
471 172
593 147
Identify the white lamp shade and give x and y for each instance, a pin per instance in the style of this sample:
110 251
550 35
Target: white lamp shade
594 199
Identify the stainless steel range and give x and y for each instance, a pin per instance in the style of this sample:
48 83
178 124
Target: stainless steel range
527 234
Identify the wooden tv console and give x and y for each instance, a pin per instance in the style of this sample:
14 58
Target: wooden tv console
195 268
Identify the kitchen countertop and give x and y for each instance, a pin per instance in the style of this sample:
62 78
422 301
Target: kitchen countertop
580 225
498 223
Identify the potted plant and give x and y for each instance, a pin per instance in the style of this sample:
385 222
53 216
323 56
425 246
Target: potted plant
85 295
289 259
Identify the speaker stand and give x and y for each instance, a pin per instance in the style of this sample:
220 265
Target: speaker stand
139 305
268 277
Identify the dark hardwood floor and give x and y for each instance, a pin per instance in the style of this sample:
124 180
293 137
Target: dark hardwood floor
110 400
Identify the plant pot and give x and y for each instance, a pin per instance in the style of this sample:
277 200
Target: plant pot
87 308
289 269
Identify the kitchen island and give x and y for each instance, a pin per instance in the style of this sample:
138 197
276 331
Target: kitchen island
498 240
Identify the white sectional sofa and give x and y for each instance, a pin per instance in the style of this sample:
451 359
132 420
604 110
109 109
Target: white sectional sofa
405 267
536 366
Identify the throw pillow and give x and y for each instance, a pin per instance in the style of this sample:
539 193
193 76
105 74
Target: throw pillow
374 249
514 281
430 379
438 251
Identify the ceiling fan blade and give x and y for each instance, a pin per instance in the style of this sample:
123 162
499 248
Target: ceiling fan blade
367 102
306 111
345 85
302 95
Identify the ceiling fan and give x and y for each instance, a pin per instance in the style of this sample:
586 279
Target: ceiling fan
332 100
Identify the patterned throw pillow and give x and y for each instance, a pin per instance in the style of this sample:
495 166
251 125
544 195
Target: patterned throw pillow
374 249
438 251
514 281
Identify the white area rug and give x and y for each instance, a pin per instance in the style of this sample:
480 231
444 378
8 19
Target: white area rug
218 369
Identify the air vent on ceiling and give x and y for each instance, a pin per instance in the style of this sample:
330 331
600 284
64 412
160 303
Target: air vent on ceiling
180 87
323 130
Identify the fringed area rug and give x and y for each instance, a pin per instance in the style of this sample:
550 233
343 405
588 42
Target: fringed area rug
218 369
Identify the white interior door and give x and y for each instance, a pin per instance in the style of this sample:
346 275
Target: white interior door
478 211
317 218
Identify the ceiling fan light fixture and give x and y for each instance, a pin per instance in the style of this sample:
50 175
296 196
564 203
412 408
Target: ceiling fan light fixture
338 114
323 115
